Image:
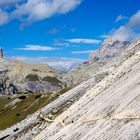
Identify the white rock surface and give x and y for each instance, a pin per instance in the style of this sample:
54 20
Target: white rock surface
109 111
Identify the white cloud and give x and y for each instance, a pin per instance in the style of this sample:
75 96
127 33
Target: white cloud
65 28
53 31
134 21
4 17
120 18
6 3
105 36
124 34
63 64
76 42
36 48
82 52
84 41
130 30
61 43
29 11
57 30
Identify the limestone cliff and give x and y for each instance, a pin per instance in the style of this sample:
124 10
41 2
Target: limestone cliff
19 77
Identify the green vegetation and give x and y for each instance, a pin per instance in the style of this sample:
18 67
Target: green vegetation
37 96
11 112
32 77
64 90
22 97
4 100
36 70
52 80
35 77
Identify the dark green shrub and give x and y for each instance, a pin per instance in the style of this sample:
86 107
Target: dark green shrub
32 77
17 114
36 70
64 90
52 80
37 96
22 97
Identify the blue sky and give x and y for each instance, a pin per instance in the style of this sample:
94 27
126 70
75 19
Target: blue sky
64 28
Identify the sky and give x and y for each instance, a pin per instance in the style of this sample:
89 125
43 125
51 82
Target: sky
64 32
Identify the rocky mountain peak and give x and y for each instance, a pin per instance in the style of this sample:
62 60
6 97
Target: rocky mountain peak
109 49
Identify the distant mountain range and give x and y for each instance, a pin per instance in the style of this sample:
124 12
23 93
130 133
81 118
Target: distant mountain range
60 64
28 77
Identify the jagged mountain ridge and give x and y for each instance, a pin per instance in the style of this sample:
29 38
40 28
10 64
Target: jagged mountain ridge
109 49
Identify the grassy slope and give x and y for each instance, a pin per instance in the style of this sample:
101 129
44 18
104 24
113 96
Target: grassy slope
13 114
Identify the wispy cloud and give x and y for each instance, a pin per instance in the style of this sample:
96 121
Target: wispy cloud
36 48
83 41
105 36
120 18
72 30
60 42
5 3
55 30
82 52
76 42
129 31
29 11
4 17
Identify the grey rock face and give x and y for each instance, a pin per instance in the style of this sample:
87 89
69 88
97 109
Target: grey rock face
41 86
18 77
108 50
6 88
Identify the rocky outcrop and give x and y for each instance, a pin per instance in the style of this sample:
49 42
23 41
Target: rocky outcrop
6 87
39 85
18 77
109 49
